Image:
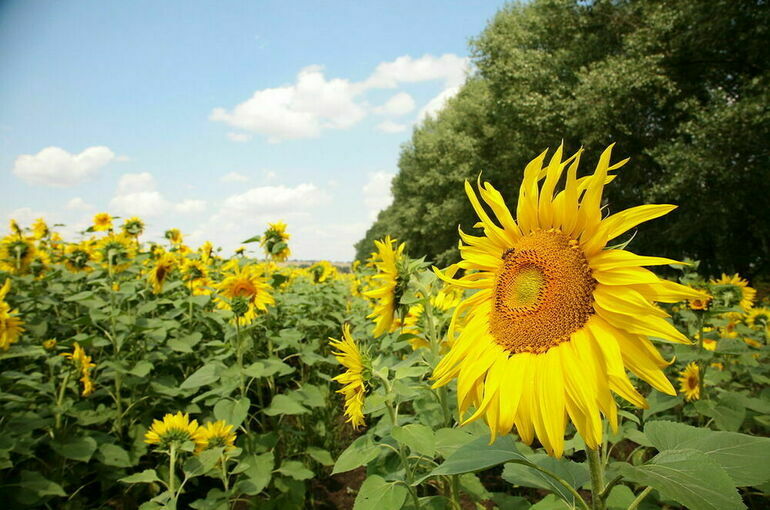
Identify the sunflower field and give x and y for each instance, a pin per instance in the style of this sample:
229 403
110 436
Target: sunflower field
547 369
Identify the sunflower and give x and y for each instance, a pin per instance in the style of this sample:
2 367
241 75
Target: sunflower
11 327
133 227
116 251
736 291
699 304
83 363
16 254
102 221
14 226
174 235
557 317
196 273
49 344
160 272
206 251
759 319
40 229
354 378
245 292
322 271
274 241
689 382
392 284
710 344
218 434
77 256
174 428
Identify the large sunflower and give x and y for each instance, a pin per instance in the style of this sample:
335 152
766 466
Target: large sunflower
245 292
160 272
391 284
557 317
116 251
353 379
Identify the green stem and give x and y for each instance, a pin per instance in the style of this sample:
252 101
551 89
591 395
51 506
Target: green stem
702 364
597 479
60 399
635 503
239 356
171 467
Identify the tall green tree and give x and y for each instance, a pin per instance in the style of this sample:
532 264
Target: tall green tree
681 86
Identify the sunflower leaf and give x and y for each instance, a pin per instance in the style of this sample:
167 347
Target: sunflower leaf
377 494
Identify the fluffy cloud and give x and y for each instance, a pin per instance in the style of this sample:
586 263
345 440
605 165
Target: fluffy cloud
190 206
300 110
136 196
376 192
234 177
239 137
389 126
400 104
24 216
53 166
78 204
437 103
314 103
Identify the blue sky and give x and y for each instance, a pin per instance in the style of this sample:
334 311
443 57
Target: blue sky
217 117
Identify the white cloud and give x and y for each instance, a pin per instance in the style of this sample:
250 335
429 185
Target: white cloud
239 137
136 196
24 216
234 177
78 204
314 103
190 206
295 111
376 191
437 103
53 166
389 126
400 104
449 67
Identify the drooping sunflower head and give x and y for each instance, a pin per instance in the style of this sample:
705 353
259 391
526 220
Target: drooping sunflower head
206 250
557 317
102 221
759 319
689 382
40 229
391 281
353 380
115 251
218 434
734 291
274 241
82 362
194 269
244 291
77 256
160 271
133 227
17 253
174 428
11 326
322 271
174 235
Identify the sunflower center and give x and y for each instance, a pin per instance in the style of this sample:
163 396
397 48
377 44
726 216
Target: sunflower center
543 293
244 289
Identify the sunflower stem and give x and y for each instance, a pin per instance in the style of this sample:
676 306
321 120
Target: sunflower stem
635 503
60 398
239 356
701 364
597 479
171 465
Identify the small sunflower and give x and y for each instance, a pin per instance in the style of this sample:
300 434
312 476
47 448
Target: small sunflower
700 304
77 256
759 319
206 251
133 227
392 284
17 254
322 271
245 292
274 241
14 226
689 382
710 344
11 327
40 229
218 434
353 379
160 272
83 363
102 221
116 251
174 235
735 291
557 317
174 428
49 344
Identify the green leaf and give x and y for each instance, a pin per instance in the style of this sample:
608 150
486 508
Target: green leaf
202 463
417 437
478 455
377 494
660 402
449 440
114 455
41 486
689 477
283 404
359 453
207 374
81 448
743 457
185 343
727 414
146 476
232 411
320 455
254 239
141 369
571 472
258 473
296 470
